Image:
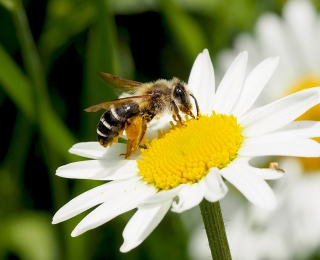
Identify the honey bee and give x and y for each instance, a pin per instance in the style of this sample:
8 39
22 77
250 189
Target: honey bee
133 113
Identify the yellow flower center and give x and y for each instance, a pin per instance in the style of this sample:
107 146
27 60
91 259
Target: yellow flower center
309 164
186 153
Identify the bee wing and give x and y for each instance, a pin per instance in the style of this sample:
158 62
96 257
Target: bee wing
117 102
117 82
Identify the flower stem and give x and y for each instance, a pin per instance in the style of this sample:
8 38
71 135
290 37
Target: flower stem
215 229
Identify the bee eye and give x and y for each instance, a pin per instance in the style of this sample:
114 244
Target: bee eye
180 94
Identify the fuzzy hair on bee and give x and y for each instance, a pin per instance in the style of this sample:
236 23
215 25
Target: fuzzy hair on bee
145 101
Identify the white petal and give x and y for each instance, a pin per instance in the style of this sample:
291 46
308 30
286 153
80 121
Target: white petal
207 88
144 221
285 146
215 186
195 75
161 197
99 170
94 197
277 114
264 173
295 129
303 128
120 203
231 85
267 174
201 80
94 150
189 197
254 188
254 84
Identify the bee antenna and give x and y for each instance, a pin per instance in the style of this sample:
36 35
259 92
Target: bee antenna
197 106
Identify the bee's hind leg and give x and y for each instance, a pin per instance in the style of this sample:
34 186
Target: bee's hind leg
135 130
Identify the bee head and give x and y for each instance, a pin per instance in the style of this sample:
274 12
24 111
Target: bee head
182 98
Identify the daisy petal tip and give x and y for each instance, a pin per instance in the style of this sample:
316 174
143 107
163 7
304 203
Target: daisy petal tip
54 221
57 218
126 247
59 172
205 52
267 205
274 61
270 206
62 173
123 249
244 55
76 232
177 209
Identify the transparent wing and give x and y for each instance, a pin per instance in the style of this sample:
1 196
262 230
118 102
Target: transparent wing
117 82
117 102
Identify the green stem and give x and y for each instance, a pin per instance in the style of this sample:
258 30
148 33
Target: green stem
29 52
215 229
31 60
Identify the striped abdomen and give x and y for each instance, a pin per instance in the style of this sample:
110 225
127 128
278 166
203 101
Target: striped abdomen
113 121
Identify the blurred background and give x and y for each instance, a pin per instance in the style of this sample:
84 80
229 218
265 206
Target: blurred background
50 51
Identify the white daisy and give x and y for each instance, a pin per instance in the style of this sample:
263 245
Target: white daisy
184 166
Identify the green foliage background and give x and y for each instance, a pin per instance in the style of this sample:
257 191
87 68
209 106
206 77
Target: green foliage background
50 51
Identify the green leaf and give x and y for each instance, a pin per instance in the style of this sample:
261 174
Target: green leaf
18 87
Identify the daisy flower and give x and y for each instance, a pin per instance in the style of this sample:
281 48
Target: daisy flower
295 38
186 164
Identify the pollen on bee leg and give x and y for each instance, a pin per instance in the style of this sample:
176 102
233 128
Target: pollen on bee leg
115 140
160 134
145 142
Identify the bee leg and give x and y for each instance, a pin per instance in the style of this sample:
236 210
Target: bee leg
175 113
135 130
177 118
197 106
191 114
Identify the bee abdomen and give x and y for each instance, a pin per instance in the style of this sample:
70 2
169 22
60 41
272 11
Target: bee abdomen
109 128
113 121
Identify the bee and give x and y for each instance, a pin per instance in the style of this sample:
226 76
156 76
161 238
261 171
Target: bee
133 113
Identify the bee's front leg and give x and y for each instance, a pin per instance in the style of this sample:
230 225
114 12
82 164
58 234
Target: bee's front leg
175 113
